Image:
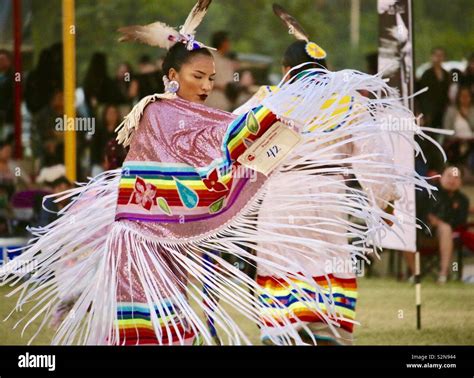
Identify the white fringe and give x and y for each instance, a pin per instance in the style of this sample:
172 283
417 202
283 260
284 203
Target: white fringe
87 235
131 121
62 254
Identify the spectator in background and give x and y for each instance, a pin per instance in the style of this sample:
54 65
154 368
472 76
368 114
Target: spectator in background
38 88
45 217
6 93
467 78
443 214
105 133
242 87
246 88
49 143
44 125
456 76
233 89
435 100
123 80
449 212
460 118
52 166
148 81
7 186
7 168
44 80
11 173
99 87
57 64
224 72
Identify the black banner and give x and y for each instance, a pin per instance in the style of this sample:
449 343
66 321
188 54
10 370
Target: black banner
378 361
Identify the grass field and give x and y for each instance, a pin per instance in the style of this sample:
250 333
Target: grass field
385 309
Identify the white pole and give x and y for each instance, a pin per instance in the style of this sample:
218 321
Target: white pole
418 290
355 23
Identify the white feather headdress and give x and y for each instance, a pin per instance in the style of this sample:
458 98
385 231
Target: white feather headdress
164 36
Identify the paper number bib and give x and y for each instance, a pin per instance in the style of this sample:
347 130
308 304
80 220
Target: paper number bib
270 149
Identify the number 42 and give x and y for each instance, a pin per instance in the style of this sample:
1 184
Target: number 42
273 151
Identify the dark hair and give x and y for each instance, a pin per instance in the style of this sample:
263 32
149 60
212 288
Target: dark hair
97 65
96 75
179 55
145 59
296 54
59 181
56 50
372 62
218 38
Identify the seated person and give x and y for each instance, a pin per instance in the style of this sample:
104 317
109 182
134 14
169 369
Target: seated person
443 213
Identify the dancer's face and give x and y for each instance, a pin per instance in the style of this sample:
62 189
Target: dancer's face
195 78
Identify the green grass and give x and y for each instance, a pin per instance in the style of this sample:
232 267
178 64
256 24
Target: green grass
385 309
387 312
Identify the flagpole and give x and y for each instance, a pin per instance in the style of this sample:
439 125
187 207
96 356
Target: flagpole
17 80
69 67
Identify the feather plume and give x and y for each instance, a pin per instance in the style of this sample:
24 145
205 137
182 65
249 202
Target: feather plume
155 34
293 25
195 17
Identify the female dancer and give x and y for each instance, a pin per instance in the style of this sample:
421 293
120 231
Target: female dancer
139 236
325 218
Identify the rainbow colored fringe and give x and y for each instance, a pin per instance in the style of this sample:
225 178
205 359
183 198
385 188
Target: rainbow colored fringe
136 327
292 306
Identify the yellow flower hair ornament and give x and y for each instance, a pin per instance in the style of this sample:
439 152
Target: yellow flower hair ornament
315 51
